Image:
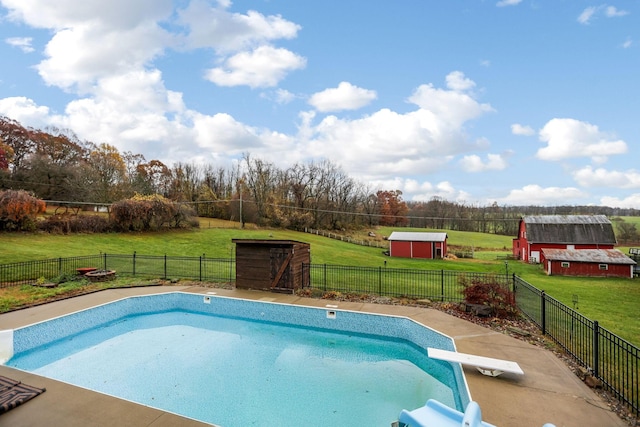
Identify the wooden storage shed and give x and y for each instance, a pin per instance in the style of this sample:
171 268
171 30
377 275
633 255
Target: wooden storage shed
417 244
271 264
588 262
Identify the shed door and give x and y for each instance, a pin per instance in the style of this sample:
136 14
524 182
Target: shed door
278 256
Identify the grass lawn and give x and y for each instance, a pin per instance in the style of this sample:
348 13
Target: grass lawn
613 302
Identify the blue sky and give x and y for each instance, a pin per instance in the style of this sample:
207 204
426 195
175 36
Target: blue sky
507 101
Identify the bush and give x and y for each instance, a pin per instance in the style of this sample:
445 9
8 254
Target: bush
65 224
150 213
19 210
490 293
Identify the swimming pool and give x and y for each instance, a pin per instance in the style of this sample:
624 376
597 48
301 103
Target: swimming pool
377 356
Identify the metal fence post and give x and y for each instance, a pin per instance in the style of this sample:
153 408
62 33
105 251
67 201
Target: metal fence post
442 285
104 261
596 348
324 278
379 280
200 276
134 263
165 266
543 314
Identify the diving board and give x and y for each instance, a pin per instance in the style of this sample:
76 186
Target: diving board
486 365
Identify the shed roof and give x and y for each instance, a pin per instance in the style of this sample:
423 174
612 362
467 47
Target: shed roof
604 256
570 229
267 242
417 236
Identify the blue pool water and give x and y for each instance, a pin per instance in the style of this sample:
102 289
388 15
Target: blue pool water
241 363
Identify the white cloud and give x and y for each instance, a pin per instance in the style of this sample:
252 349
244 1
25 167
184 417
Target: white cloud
388 143
632 201
283 96
226 32
449 106
79 56
627 43
345 97
518 129
424 191
503 3
586 15
22 43
25 111
457 81
613 12
62 14
570 138
532 195
473 163
263 67
608 11
589 177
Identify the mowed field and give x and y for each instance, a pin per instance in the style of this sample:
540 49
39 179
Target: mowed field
612 302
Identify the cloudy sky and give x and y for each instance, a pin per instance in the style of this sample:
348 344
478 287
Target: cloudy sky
476 101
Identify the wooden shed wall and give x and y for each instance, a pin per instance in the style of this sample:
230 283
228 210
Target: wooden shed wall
258 263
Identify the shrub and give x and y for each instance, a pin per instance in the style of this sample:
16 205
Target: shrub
19 210
65 224
150 213
489 292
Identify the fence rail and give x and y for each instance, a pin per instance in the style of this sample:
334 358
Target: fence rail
335 236
436 285
611 359
201 268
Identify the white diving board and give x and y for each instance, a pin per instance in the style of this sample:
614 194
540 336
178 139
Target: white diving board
486 365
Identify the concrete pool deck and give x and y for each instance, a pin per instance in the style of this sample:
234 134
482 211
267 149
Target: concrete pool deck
547 393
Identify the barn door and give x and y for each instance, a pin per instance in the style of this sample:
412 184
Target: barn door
280 259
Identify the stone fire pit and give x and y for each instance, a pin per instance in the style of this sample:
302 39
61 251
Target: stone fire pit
84 270
101 275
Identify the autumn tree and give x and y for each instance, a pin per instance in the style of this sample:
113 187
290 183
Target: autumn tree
19 209
153 177
393 209
19 139
108 172
62 147
6 156
259 181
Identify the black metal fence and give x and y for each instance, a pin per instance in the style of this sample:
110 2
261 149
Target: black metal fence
436 285
201 268
610 359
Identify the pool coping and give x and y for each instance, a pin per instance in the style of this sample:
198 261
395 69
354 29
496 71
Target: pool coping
548 392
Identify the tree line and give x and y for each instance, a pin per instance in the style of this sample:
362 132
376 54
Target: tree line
56 166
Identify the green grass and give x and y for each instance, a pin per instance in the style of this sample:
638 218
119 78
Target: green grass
613 302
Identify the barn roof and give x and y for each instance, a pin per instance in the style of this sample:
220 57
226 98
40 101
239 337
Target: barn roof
604 256
418 236
569 229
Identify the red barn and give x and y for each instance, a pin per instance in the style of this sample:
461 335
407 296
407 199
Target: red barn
417 244
588 262
536 233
